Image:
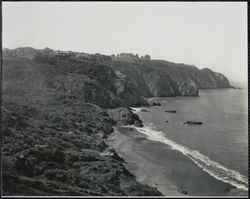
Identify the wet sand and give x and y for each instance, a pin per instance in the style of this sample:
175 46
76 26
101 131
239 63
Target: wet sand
169 171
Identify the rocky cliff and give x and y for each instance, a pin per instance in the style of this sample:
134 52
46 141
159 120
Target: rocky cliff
117 81
58 108
163 78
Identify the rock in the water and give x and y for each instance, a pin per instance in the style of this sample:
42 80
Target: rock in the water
170 111
138 123
193 122
145 110
156 103
152 103
184 192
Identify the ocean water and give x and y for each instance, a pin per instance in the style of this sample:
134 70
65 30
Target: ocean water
219 146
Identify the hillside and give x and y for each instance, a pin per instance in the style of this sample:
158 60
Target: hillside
59 107
121 80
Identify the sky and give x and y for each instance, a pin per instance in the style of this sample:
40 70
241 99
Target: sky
204 34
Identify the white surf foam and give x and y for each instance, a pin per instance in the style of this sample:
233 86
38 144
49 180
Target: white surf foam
136 109
213 168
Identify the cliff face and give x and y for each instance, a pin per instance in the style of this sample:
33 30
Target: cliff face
191 75
58 108
162 78
145 80
111 82
212 79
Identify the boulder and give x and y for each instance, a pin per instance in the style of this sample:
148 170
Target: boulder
138 123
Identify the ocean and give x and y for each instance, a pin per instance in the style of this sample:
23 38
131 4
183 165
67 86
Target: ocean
219 146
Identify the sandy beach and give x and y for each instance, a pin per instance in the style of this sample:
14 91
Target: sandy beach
146 171
157 165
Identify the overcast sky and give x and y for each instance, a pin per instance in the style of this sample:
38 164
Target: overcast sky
212 35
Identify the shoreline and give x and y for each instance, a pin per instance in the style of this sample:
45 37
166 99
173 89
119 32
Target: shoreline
145 171
160 167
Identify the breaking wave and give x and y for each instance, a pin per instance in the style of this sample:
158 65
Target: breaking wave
213 168
136 109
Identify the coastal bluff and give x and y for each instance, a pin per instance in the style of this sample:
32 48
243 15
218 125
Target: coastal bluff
58 108
122 80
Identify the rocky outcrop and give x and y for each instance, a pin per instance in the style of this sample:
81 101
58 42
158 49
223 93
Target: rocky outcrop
124 116
189 89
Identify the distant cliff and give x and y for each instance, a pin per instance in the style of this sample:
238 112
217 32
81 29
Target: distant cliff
108 81
162 78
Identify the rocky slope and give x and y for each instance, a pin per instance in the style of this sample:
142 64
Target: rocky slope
53 134
88 81
123 81
164 78
58 108
60 150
